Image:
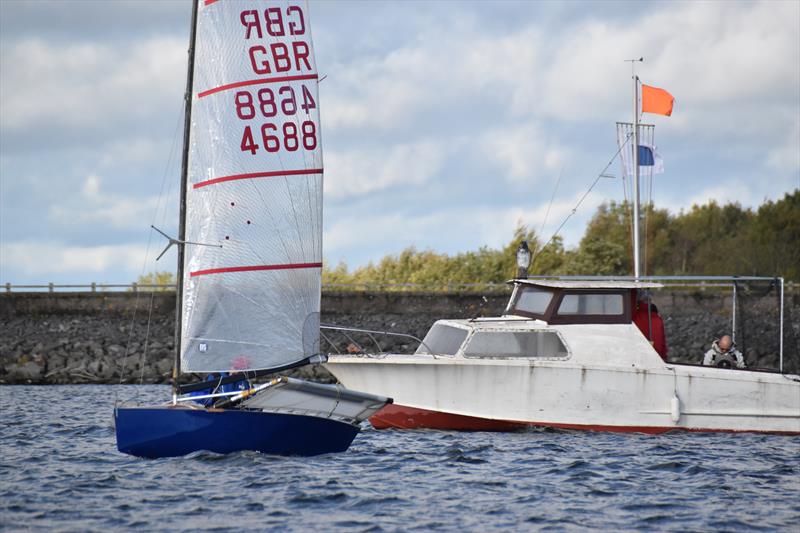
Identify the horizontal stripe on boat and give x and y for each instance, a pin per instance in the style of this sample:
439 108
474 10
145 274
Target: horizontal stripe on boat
209 2
253 175
404 417
260 81
290 266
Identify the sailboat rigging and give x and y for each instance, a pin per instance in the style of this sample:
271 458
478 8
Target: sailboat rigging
251 180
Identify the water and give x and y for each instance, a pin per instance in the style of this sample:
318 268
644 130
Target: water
60 470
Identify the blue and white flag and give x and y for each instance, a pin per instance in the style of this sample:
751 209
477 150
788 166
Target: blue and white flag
649 160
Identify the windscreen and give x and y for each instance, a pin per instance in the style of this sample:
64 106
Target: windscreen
442 340
515 344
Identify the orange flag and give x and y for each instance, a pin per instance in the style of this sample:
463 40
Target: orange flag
655 100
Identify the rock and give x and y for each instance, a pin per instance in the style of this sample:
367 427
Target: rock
164 367
89 331
115 350
26 372
128 364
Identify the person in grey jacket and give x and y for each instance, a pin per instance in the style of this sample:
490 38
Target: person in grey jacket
724 354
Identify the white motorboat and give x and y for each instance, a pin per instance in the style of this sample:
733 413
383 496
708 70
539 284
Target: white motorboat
566 354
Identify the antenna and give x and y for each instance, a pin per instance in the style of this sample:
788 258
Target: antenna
633 64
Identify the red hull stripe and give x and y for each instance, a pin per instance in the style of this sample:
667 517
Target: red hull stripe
258 175
253 268
404 417
261 81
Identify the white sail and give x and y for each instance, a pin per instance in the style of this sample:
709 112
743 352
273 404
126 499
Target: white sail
254 188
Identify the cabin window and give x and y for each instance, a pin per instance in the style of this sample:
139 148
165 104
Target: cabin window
533 300
515 344
591 304
442 340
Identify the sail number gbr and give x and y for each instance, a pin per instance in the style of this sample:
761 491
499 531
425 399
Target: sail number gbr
270 103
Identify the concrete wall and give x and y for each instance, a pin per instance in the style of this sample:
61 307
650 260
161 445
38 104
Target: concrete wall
98 337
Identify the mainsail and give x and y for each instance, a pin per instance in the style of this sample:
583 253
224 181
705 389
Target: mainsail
254 190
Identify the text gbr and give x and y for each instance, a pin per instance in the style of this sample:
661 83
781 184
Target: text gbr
274 22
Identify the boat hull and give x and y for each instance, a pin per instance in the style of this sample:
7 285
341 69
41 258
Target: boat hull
474 394
168 431
405 417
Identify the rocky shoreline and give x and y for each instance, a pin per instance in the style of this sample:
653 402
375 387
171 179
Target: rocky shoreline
60 338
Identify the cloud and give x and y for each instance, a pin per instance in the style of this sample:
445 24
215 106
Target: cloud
524 151
785 156
136 151
88 84
451 230
361 171
27 259
95 207
441 125
725 56
718 54
432 73
736 190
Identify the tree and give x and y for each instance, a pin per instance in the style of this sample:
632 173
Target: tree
708 239
167 279
605 248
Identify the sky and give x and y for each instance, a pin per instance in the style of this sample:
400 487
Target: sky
445 124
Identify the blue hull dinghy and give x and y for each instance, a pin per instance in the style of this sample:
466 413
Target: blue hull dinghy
249 249
171 431
284 417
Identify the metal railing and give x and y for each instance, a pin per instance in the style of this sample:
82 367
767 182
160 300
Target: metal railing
134 287
698 282
355 346
90 287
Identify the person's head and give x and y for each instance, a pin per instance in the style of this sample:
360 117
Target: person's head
725 342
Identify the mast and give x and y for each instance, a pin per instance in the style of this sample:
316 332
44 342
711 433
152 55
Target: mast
176 368
636 247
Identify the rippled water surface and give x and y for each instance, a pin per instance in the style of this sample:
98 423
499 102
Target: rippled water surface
60 470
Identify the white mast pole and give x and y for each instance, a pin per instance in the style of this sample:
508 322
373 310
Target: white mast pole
636 259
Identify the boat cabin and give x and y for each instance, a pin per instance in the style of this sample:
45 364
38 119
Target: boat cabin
575 302
547 302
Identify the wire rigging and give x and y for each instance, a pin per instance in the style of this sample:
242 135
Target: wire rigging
159 208
552 197
601 175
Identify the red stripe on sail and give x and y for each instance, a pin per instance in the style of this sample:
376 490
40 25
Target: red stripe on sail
257 175
290 266
261 81
209 2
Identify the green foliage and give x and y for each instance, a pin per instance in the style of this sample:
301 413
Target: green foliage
707 240
428 268
158 278
605 248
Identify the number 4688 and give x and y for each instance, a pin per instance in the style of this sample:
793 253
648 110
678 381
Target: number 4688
287 137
